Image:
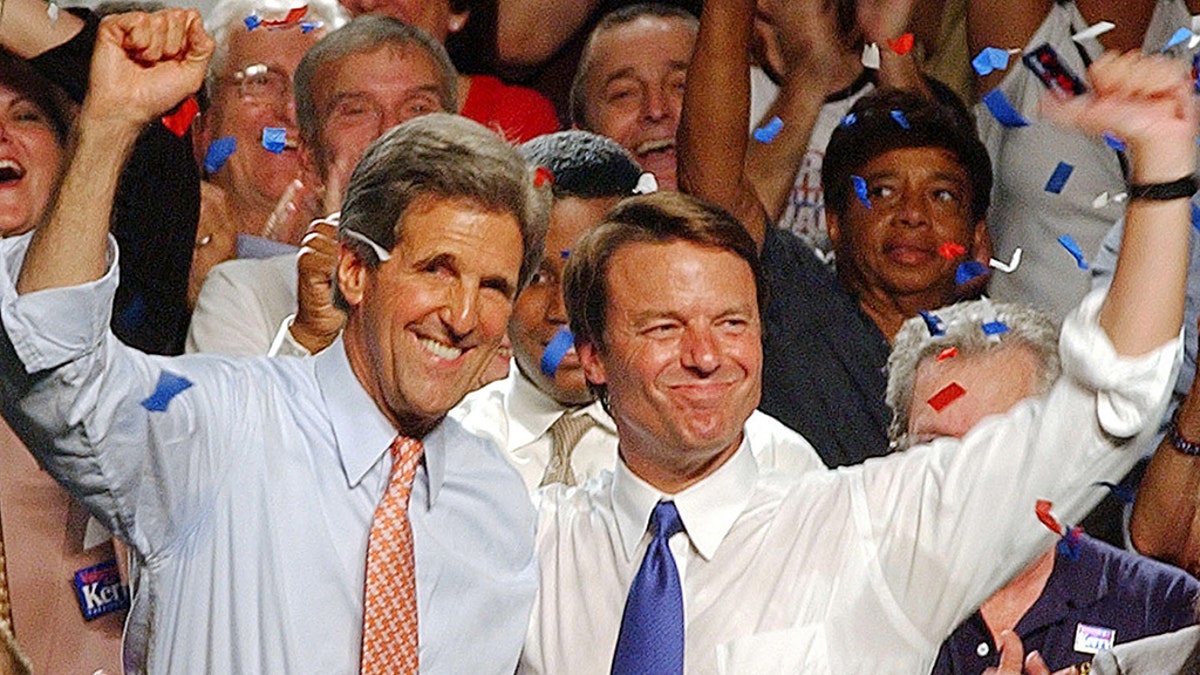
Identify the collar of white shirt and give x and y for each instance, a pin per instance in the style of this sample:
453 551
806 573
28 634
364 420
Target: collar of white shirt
708 508
362 433
531 412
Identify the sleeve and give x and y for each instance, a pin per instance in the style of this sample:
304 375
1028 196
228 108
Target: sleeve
517 112
953 520
127 434
229 319
286 345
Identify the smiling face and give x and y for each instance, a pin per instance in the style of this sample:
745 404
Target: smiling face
920 199
539 312
424 324
30 162
634 89
682 358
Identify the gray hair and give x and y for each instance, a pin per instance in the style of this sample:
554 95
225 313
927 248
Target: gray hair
962 325
365 34
614 19
228 16
448 157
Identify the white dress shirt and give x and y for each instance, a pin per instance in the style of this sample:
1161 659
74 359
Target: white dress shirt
863 569
251 497
241 306
517 415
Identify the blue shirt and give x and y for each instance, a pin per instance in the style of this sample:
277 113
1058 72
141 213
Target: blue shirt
251 496
1106 587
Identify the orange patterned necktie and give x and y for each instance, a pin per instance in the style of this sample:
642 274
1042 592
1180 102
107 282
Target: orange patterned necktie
389 637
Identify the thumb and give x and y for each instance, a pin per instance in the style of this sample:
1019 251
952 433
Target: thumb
1012 653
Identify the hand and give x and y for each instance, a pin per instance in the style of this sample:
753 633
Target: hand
317 321
799 38
883 20
144 64
297 207
1014 662
1145 101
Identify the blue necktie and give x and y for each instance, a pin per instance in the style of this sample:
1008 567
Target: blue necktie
651 640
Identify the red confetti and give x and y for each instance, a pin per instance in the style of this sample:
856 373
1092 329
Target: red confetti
542 176
179 121
946 396
951 250
902 45
294 15
1042 509
947 353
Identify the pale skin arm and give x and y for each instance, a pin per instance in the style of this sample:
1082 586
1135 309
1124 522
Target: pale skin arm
143 65
26 29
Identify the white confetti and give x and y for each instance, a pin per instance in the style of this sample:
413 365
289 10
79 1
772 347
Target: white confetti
52 12
1007 267
1093 31
870 56
1120 197
646 184
1100 201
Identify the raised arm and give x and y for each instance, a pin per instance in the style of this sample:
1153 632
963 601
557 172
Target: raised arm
1147 102
142 66
27 31
528 33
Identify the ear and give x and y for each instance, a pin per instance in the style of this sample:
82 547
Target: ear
981 242
457 21
593 365
351 275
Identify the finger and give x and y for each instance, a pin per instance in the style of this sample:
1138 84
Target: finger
284 209
175 45
1012 653
200 43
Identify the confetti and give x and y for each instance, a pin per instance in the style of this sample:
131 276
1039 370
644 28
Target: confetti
870 56
994 328
218 152
252 22
902 45
947 353
968 270
1043 510
1059 178
850 119
52 12
647 184
274 139
1196 217
898 115
169 386
565 253
309 26
542 177
181 118
949 394
1112 141
997 104
293 16
989 59
1095 30
1068 242
933 322
1069 545
1178 37
1100 201
562 342
951 250
860 189
1007 267
767 132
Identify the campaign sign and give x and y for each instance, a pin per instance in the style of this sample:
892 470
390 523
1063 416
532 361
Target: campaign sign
99 590
1093 639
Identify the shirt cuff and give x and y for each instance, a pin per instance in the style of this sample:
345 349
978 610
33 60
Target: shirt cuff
55 326
1130 391
284 344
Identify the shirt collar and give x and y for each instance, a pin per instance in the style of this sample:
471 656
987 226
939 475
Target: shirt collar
708 508
531 411
1072 584
361 433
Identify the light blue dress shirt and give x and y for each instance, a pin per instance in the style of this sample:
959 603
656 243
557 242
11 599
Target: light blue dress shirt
251 497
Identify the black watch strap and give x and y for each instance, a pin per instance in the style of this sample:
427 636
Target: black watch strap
1183 188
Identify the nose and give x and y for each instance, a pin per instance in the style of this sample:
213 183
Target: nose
660 104
556 307
701 352
913 209
460 312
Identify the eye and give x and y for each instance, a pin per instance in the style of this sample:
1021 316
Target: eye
945 196
27 113
734 324
542 278
661 330
878 191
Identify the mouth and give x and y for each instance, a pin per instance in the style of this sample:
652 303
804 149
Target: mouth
909 254
439 349
10 172
652 148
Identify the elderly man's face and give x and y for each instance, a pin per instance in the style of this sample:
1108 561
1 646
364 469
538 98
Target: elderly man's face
428 321
634 91
254 91
364 94
30 161
682 358
994 382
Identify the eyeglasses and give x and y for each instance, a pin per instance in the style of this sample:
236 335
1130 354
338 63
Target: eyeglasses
262 83
357 110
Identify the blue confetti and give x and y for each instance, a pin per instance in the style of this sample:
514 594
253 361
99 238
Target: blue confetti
565 253
307 27
994 328
1196 217
849 120
218 152
1058 179
767 132
997 104
968 270
860 189
898 115
252 22
1068 242
1112 141
933 323
989 59
1178 37
1070 544
558 347
168 387
1124 493
274 139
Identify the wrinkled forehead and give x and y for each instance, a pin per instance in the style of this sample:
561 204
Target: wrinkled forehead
665 42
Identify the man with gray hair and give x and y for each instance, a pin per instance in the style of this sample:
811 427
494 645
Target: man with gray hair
1076 598
296 515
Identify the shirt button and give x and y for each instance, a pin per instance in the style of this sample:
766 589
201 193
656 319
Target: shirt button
983 649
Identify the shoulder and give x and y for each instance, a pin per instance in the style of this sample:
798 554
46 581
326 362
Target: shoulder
1144 576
